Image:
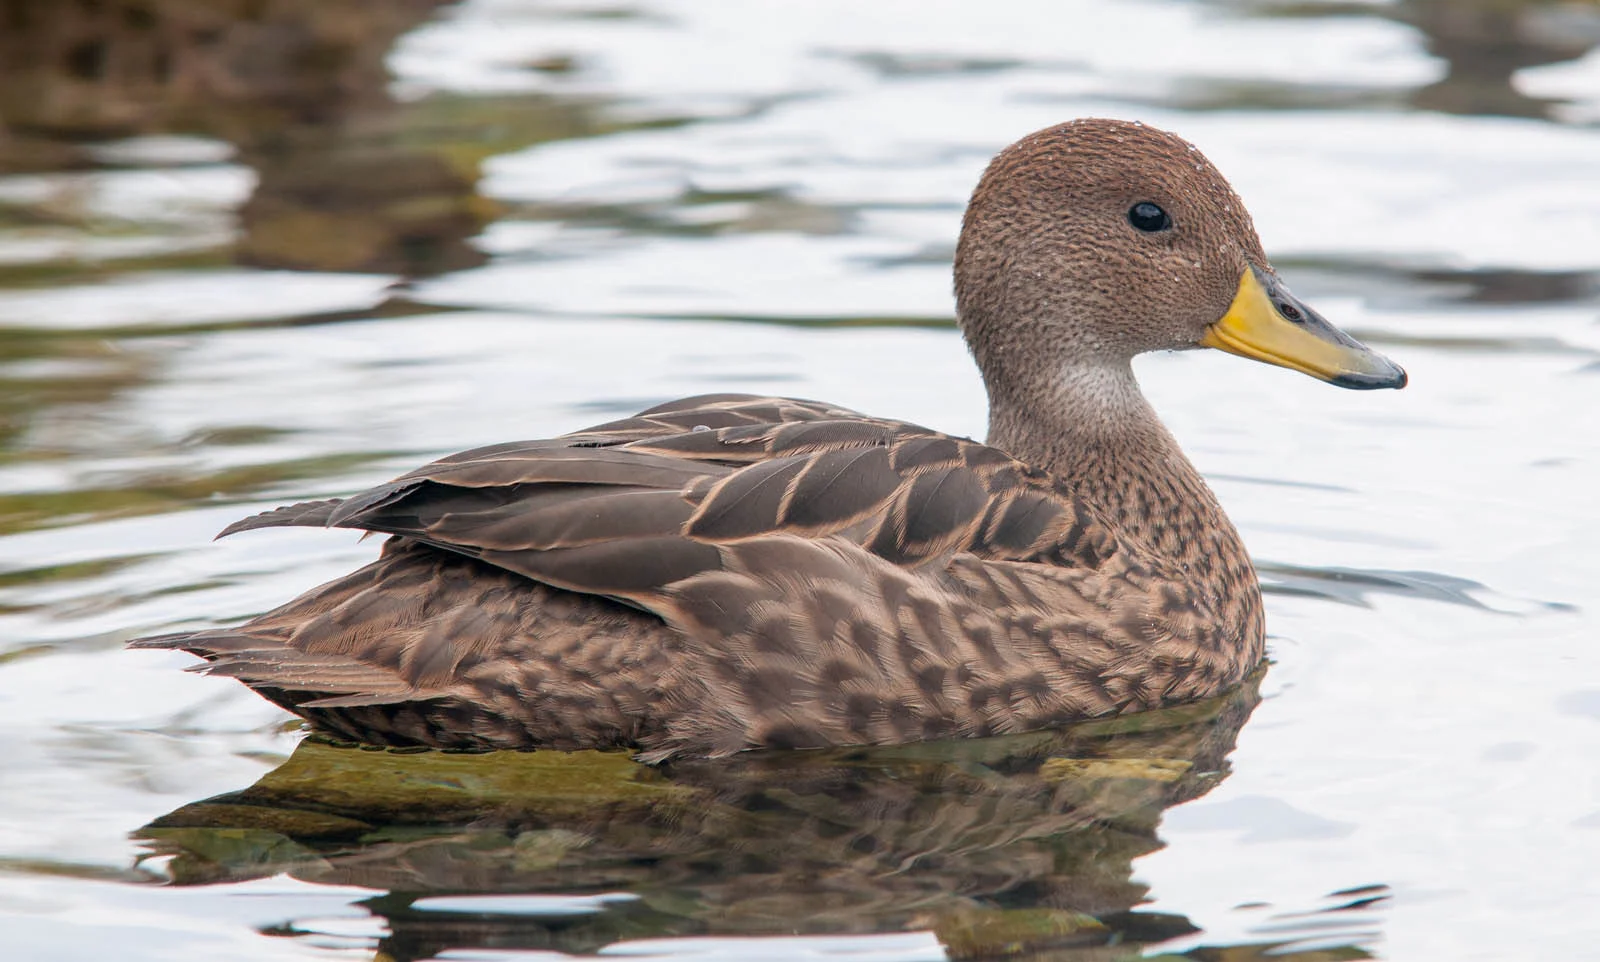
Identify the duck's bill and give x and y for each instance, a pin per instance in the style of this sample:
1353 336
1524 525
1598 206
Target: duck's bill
1267 323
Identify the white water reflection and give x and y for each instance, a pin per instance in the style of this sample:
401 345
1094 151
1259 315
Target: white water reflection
688 54
170 300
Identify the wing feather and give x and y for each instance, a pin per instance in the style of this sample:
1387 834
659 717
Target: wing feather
625 509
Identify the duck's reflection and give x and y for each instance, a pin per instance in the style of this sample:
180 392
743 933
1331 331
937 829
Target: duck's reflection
1023 841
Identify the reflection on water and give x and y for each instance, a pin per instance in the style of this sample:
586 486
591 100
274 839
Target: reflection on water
254 251
346 177
1483 44
1018 844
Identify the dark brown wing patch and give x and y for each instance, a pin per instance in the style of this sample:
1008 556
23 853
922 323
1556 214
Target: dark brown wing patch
616 569
748 503
1015 527
941 506
840 487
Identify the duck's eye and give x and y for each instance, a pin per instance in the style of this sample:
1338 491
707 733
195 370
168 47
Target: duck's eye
1148 217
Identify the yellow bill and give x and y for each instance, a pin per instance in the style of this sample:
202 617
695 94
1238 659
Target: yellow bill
1267 323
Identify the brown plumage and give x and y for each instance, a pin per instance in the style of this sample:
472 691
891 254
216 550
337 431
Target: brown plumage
726 571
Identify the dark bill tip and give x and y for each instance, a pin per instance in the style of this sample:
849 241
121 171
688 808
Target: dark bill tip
1372 381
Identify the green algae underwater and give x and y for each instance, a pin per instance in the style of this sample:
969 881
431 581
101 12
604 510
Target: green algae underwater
1009 846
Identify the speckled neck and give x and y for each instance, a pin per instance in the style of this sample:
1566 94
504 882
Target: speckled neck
1093 429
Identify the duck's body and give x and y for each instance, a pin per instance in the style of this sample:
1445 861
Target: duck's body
728 572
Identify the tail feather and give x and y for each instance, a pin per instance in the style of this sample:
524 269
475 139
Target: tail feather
288 675
307 514
172 642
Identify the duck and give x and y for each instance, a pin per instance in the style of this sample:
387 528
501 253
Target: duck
730 572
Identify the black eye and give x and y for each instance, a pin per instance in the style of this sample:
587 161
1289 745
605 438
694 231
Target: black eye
1148 217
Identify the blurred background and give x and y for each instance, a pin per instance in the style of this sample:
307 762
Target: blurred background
254 251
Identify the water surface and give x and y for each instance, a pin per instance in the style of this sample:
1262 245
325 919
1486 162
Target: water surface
257 260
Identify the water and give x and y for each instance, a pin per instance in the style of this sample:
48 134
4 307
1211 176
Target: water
504 219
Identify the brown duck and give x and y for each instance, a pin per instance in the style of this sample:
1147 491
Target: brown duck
727 572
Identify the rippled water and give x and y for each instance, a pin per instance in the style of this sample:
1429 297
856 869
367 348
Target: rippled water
503 219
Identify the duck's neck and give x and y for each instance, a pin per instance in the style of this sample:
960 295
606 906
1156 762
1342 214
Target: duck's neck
1093 429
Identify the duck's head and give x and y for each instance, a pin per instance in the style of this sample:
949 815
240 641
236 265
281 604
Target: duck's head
1096 240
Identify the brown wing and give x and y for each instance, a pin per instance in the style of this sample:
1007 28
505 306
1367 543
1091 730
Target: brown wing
626 509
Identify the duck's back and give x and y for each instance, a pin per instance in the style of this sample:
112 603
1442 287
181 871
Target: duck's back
719 573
